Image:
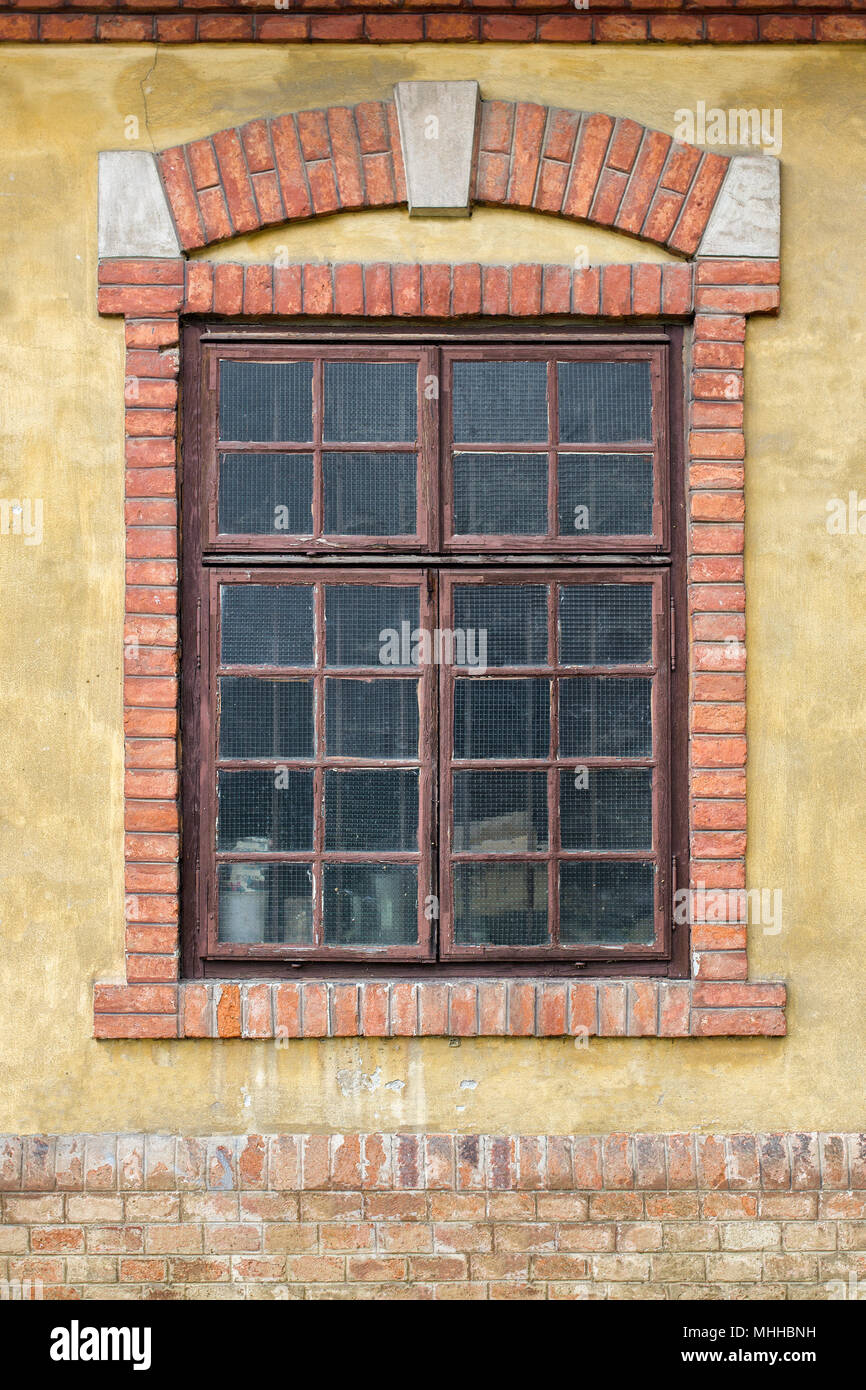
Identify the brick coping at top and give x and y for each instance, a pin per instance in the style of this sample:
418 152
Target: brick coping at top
464 21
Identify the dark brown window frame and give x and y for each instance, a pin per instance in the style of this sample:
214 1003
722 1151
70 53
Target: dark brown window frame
200 555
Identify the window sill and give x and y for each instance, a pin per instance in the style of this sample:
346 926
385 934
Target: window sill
459 1009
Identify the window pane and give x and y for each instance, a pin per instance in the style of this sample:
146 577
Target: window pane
605 624
265 719
371 810
364 624
499 401
606 808
266 401
263 810
606 494
370 494
606 903
371 719
266 624
500 494
500 812
370 904
502 718
605 716
605 402
502 624
266 494
265 902
371 402
500 904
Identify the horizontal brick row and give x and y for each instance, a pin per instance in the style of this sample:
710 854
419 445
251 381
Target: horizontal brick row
793 1162
713 1004
759 24
439 291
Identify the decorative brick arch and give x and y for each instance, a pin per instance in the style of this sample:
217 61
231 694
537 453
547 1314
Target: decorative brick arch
611 172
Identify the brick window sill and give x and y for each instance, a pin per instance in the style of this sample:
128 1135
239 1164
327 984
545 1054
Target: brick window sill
458 1009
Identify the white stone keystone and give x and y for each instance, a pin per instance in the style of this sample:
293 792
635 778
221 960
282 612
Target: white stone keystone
746 218
134 219
437 132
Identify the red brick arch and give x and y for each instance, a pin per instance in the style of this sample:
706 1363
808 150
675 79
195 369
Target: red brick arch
608 171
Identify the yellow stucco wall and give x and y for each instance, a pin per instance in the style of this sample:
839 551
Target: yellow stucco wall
61 439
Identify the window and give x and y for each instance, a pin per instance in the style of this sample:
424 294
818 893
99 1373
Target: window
430 689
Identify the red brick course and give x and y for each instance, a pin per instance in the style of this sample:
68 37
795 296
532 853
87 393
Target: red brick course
461 21
433 1216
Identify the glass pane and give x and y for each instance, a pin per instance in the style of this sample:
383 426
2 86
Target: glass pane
370 904
371 402
500 904
266 401
500 401
370 624
605 624
265 719
502 624
605 402
370 494
500 812
265 902
606 808
605 716
266 494
606 903
267 624
267 809
605 494
371 719
500 494
371 810
502 718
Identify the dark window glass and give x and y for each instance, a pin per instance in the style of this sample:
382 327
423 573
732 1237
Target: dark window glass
605 402
267 624
265 903
606 904
606 808
500 904
502 718
500 494
370 494
499 402
371 810
371 718
266 494
370 904
369 625
266 402
265 719
605 624
605 494
502 624
500 812
605 716
262 810
371 402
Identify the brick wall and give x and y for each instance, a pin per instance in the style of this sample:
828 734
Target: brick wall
772 1216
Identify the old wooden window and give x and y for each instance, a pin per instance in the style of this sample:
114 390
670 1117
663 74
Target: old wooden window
431 702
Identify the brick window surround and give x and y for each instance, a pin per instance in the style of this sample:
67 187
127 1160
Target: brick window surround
584 166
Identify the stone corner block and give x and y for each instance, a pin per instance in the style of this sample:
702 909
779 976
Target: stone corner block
746 218
134 218
437 123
